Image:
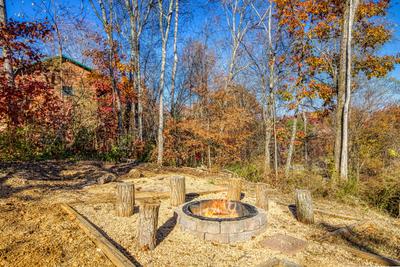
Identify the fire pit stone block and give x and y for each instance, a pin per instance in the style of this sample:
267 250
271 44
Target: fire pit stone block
233 226
252 223
220 238
208 227
262 217
223 230
187 222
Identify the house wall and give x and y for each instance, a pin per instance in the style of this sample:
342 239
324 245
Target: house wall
82 99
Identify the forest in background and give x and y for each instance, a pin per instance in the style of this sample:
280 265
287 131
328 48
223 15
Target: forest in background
293 93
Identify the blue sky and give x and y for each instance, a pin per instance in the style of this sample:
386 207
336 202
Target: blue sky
27 9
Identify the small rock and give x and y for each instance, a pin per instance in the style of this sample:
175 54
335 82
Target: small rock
134 173
106 177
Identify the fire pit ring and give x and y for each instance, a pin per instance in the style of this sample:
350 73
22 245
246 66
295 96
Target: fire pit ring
221 221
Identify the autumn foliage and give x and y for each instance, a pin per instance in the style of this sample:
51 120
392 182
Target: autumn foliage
212 119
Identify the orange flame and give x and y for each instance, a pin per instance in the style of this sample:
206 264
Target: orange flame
219 209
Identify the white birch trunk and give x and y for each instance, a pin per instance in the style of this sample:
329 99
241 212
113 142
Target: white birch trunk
175 58
164 40
291 146
352 6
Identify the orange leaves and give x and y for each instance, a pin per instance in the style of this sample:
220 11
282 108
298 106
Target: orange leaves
225 125
317 64
375 66
372 36
324 91
321 30
368 9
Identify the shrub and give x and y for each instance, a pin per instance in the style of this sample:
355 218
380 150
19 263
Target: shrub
249 171
304 180
383 192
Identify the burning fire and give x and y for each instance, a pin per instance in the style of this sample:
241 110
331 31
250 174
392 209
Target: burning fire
219 209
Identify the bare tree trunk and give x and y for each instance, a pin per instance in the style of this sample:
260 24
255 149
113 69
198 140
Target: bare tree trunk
344 93
269 101
130 110
340 96
353 4
275 137
164 39
175 58
267 155
107 22
306 160
209 163
140 22
60 45
8 69
291 145
238 27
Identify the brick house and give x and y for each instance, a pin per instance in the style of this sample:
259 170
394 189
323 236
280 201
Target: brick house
71 80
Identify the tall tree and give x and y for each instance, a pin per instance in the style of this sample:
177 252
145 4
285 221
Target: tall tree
138 16
291 145
173 75
264 61
165 25
236 12
106 18
344 90
8 69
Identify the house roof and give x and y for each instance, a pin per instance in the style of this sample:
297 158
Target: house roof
52 59
68 59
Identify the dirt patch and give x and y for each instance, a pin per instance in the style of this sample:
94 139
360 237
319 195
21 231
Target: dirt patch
35 232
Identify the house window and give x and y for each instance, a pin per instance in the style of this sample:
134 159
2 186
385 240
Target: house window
67 91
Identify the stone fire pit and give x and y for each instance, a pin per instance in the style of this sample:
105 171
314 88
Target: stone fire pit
221 220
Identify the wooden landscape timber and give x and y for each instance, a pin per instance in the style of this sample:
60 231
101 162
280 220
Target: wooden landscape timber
112 253
379 259
346 232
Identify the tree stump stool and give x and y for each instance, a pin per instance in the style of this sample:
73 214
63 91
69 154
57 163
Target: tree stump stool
234 189
148 222
178 190
125 199
304 207
262 196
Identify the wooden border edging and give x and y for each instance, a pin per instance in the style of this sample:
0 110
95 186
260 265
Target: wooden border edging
112 253
372 257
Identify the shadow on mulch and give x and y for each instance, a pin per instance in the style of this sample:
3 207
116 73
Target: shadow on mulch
164 230
293 210
50 173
